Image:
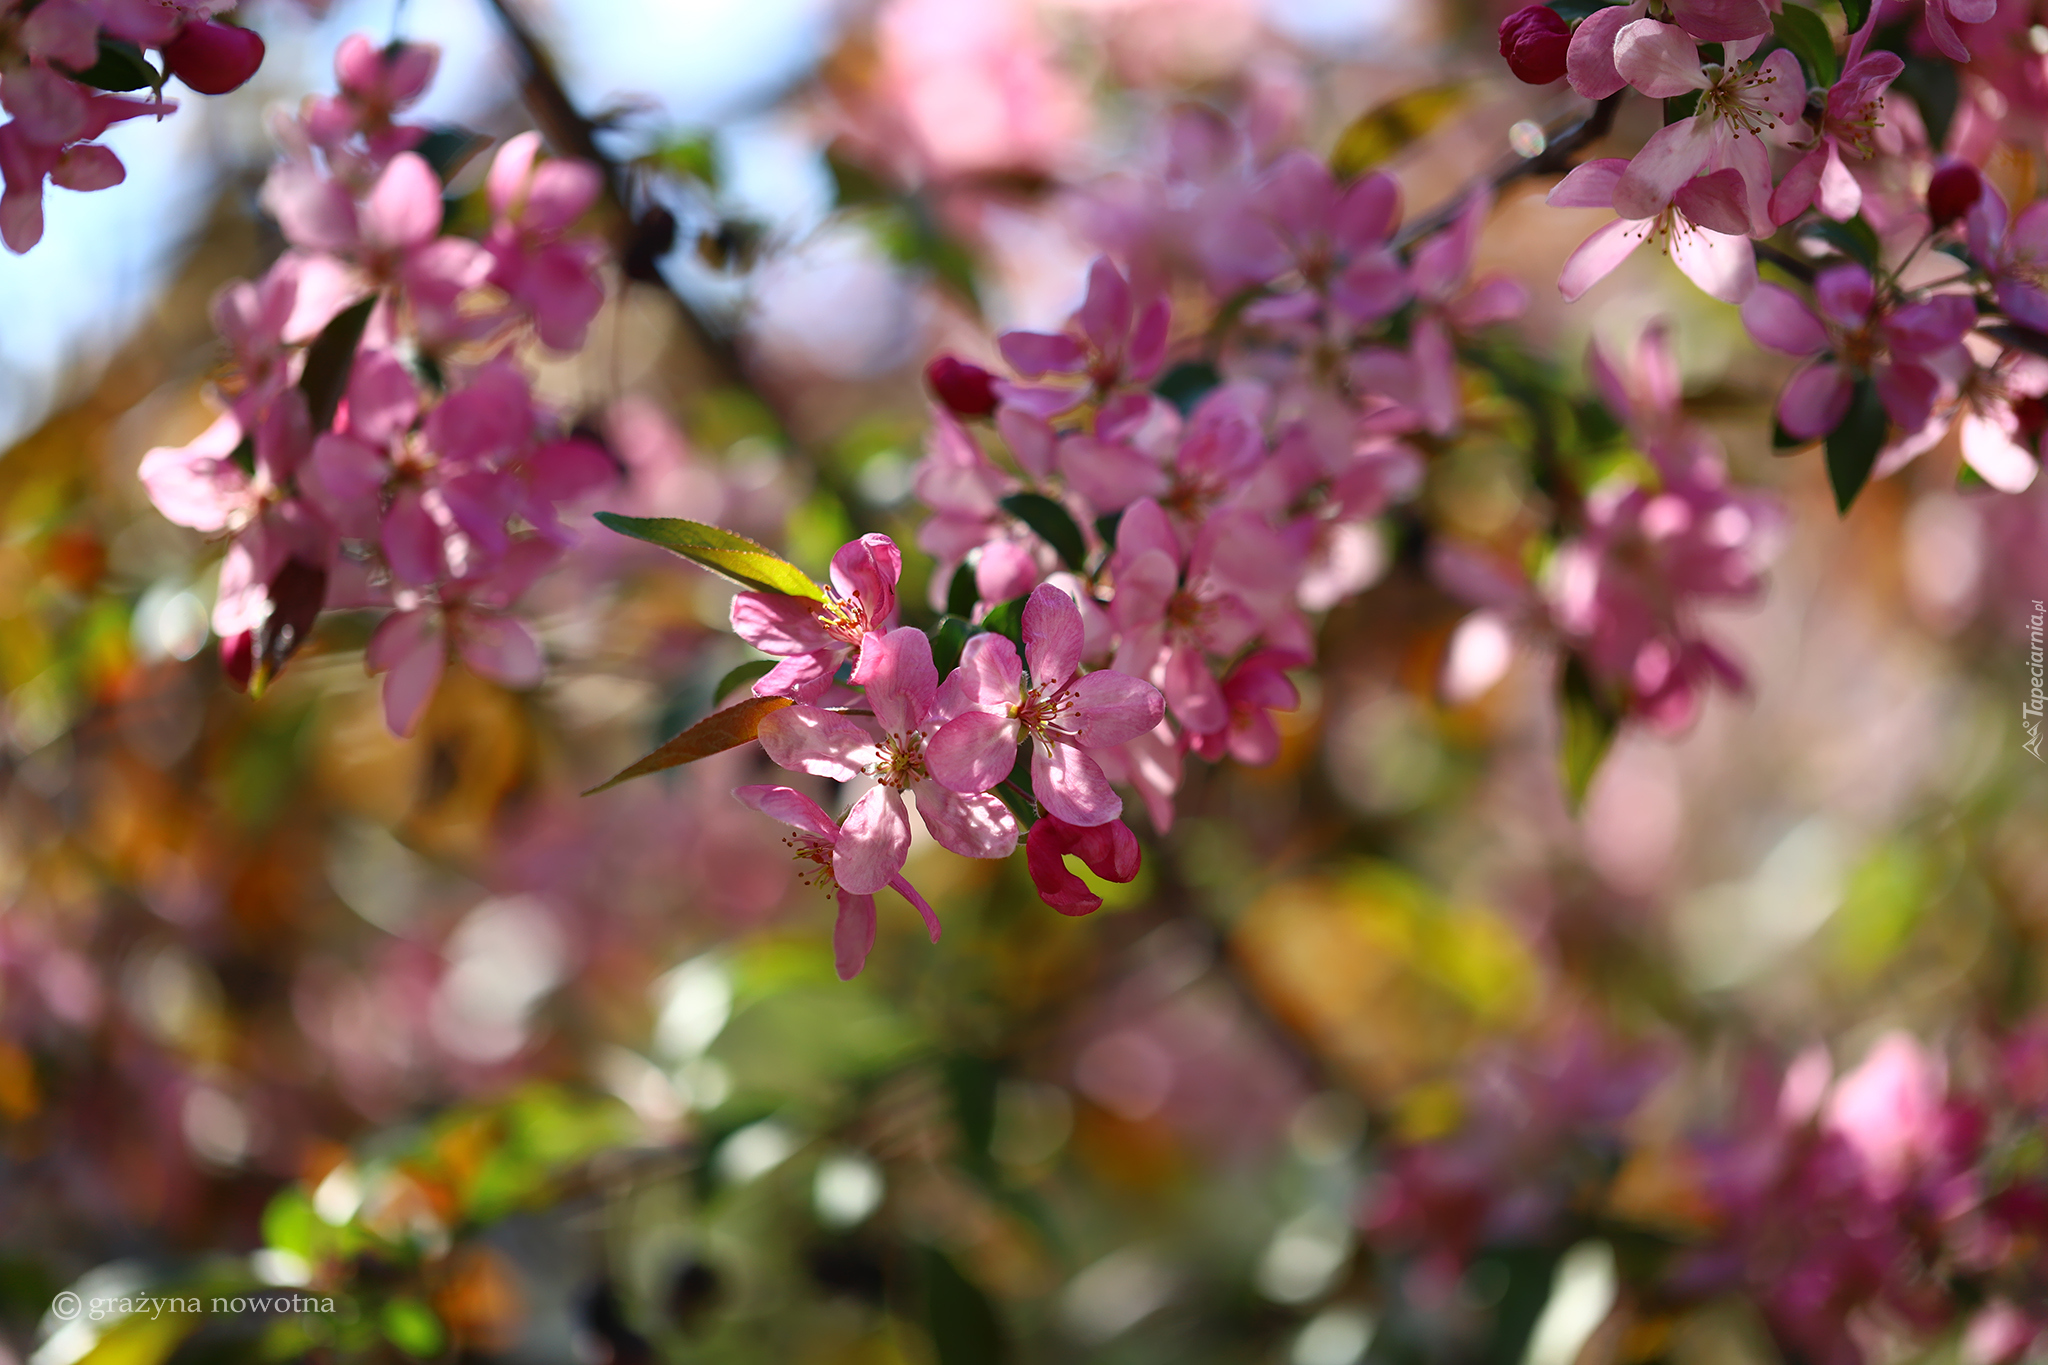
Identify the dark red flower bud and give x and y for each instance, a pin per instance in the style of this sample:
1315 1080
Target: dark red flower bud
968 390
1953 192
238 659
1534 41
1109 850
213 58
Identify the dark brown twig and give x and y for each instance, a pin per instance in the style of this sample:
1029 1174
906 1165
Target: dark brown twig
1556 156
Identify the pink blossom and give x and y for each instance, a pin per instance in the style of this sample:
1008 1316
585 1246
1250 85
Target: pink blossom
1717 258
392 236
1336 239
813 638
1889 1109
1110 340
55 145
1943 16
816 842
1854 105
1979 399
1624 592
1109 849
550 274
2014 253
1176 606
1743 106
1864 336
1063 714
1255 687
1590 63
902 685
410 647
375 83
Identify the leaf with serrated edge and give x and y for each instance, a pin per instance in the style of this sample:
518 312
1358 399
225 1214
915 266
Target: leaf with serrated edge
717 732
725 553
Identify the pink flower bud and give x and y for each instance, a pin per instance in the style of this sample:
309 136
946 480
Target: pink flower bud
213 58
968 390
1534 40
1953 192
238 658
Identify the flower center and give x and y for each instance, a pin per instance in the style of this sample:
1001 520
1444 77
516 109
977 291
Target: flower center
900 762
1736 97
810 849
1038 714
844 618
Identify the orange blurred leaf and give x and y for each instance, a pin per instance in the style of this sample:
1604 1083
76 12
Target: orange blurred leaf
722 730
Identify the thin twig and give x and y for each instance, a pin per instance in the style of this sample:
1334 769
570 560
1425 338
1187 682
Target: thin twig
1556 156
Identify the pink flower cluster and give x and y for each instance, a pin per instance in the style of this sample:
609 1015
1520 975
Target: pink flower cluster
1766 147
1624 591
382 445
1858 1211
945 745
62 64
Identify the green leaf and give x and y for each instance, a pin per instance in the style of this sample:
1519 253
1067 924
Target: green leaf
120 66
449 148
964 1327
330 359
1933 85
1856 12
753 670
1107 526
2015 337
1784 442
717 732
1007 619
1853 445
693 156
412 1327
1054 525
1853 239
1589 721
1385 129
725 553
1678 107
1806 33
962 593
243 456
949 636
289 1223
1014 791
1575 10
1187 384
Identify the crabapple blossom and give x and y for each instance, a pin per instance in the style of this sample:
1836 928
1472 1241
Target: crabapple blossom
813 638
1063 714
1109 850
1110 340
901 684
816 843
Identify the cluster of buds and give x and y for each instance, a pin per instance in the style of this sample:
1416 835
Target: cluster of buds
65 69
381 445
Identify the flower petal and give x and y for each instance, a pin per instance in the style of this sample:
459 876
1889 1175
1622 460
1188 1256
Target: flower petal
809 740
973 752
792 808
972 824
853 934
1780 319
1660 60
873 842
1070 785
1053 636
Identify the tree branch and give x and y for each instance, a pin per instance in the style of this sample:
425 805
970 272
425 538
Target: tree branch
1556 156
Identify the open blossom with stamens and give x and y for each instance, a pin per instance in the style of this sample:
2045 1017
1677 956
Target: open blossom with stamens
1744 109
815 845
1062 715
1856 332
1719 259
2014 254
813 638
902 686
1111 340
1848 122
